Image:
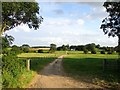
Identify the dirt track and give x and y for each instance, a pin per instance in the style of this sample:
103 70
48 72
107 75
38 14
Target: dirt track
52 76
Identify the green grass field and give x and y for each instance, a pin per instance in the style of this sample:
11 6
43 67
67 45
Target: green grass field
39 63
89 68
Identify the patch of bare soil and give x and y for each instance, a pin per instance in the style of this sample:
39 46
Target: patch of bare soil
52 76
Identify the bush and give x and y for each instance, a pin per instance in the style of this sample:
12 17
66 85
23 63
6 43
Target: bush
40 51
5 51
11 70
93 52
102 52
16 50
109 52
85 51
26 50
51 51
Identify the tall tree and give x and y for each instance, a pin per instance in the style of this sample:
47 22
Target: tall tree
25 46
16 13
52 48
111 24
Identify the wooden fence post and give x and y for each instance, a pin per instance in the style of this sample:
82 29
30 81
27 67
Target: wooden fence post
66 52
28 64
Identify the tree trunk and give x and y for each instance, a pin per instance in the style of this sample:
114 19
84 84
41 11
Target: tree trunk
119 47
118 61
2 29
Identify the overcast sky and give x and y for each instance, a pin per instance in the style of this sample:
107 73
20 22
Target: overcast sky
73 23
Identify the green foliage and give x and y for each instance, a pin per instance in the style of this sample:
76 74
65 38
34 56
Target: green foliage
111 24
11 70
102 52
16 50
40 51
25 46
97 46
64 47
93 51
14 73
90 47
25 50
109 52
38 64
6 41
15 13
67 47
51 51
52 48
5 51
85 50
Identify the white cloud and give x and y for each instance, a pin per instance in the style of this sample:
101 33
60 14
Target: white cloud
57 21
73 39
96 13
93 4
98 38
62 22
80 21
22 28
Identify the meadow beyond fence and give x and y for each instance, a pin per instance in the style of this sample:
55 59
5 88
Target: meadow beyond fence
89 68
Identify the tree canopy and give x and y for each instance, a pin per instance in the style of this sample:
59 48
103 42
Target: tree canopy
7 41
111 24
52 48
16 13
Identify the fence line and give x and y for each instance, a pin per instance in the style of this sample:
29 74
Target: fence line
111 65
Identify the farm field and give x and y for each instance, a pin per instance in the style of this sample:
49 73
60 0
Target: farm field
81 67
80 54
89 68
32 55
39 60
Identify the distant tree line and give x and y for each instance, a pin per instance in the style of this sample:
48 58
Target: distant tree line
40 47
64 47
25 48
93 48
